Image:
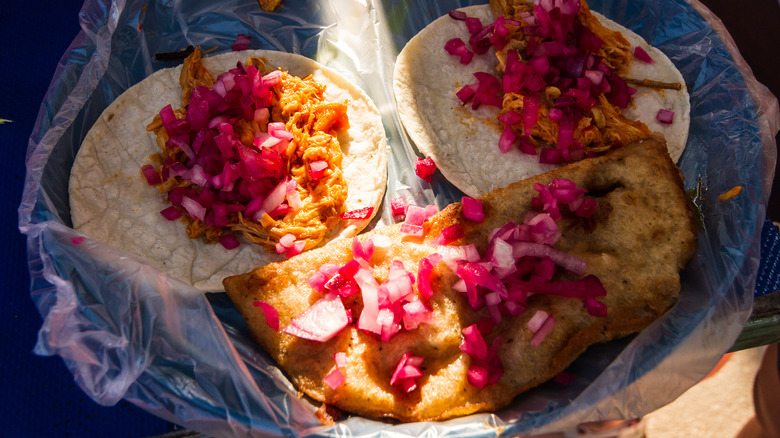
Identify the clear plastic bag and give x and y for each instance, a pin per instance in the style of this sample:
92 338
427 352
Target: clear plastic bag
127 331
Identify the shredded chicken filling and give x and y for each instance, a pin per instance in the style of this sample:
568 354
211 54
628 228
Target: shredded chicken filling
314 123
599 129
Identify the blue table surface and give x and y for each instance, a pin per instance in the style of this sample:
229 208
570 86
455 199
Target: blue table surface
40 397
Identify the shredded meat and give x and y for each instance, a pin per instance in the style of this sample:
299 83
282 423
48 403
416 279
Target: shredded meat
605 126
619 129
314 123
616 50
193 74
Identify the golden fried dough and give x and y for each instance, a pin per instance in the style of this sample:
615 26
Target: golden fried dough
639 238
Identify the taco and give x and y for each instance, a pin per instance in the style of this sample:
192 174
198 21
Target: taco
461 107
135 174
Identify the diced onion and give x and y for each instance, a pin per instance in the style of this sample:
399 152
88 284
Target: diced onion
151 175
473 343
270 313
415 313
363 250
541 334
294 200
449 235
369 289
424 272
388 325
457 47
272 78
565 260
320 322
507 139
381 240
412 230
536 321
398 205
406 371
242 43
360 213
193 208
477 376
171 213
335 378
514 308
296 249
595 307
262 115
229 241
665 116
317 169
430 211
458 15
340 358
642 55
425 168
275 198
317 281
287 240
415 215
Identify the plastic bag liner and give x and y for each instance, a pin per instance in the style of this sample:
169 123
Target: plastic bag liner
126 331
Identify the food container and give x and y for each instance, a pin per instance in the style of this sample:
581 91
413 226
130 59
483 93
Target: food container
126 331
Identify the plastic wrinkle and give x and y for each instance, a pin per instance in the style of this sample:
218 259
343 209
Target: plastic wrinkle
126 331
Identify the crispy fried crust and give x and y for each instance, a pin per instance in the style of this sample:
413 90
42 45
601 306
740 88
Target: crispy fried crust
641 236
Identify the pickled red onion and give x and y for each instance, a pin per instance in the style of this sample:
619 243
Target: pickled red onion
242 43
406 371
270 313
424 168
543 331
398 205
335 378
665 116
360 213
171 213
228 241
151 175
449 235
320 322
642 55
424 272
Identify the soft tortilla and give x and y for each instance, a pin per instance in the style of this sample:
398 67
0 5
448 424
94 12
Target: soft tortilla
111 202
463 143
